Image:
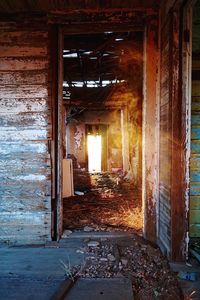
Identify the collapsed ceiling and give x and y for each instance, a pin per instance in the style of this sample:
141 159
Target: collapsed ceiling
98 67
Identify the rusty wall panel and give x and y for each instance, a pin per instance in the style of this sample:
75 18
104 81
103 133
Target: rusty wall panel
25 128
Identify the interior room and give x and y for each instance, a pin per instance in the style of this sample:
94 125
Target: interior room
102 99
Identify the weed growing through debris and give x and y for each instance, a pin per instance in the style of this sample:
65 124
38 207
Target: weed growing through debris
72 272
67 268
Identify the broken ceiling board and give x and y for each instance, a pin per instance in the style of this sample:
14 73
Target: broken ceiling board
101 289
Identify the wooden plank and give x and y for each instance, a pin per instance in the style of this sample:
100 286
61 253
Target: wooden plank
27 148
27 205
150 130
23 77
195 132
23 63
23 37
24 168
59 139
196 65
22 51
194 175
26 233
25 120
25 193
195 202
194 216
24 219
195 189
195 107
24 91
196 87
22 105
195 147
195 120
194 230
195 162
14 134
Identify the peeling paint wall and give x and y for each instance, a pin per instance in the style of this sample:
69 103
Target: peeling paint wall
25 128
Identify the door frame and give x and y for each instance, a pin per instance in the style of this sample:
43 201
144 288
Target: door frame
149 117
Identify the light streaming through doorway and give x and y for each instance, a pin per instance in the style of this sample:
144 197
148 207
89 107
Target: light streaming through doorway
94 153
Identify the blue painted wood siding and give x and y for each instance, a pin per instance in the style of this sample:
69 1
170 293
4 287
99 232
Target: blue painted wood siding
195 131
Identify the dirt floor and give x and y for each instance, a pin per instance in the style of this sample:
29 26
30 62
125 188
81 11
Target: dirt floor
107 200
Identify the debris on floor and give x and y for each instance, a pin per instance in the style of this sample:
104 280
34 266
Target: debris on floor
188 275
102 201
131 258
110 203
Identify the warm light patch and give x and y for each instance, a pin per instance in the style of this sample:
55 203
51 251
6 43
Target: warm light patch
94 153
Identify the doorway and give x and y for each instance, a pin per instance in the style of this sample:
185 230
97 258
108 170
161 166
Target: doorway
102 109
94 148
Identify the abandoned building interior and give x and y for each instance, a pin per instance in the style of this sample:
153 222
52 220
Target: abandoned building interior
100 125
103 126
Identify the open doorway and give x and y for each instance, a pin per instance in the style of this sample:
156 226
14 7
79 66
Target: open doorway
96 141
94 146
102 104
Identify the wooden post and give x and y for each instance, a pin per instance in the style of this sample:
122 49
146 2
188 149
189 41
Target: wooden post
59 198
125 138
149 177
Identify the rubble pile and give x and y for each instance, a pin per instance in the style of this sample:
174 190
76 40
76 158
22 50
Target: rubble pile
108 201
133 258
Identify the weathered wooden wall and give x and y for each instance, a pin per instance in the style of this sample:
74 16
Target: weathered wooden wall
26 119
25 128
172 225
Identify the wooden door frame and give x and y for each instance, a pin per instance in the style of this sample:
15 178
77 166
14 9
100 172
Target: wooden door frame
150 83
